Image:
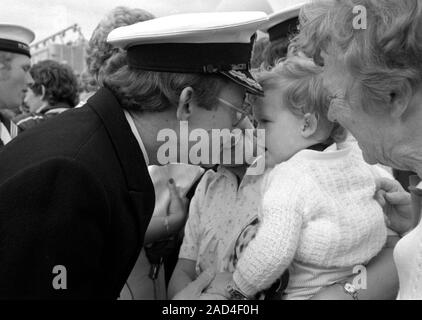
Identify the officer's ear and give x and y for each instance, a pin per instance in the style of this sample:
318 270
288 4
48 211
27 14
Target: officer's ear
184 107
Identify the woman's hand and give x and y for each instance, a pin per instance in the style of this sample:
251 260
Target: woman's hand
193 290
397 205
219 285
177 209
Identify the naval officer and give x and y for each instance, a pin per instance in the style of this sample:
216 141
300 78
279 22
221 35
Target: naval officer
75 194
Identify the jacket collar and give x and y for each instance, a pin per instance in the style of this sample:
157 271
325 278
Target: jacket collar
5 121
105 104
58 105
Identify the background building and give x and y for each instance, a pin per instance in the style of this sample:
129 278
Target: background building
66 46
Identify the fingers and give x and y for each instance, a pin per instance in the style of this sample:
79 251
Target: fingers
388 185
379 197
398 198
174 192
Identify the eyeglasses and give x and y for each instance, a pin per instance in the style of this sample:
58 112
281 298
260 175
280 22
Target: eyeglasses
337 96
241 113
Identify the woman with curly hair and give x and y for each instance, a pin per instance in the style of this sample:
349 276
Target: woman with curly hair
99 51
55 89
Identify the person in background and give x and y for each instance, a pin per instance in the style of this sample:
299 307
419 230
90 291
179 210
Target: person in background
54 90
88 86
281 27
99 51
14 75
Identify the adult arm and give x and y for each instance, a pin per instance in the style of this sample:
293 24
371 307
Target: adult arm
381 281
162 227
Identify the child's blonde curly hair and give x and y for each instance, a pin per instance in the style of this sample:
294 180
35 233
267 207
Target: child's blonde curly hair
301 87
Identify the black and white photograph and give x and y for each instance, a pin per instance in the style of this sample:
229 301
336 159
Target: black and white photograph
185 151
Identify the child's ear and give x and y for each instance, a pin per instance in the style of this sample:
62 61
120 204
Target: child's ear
309 125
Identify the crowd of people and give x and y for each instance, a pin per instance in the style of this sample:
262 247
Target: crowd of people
83 186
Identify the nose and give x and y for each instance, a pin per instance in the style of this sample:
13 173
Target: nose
29 79
330 114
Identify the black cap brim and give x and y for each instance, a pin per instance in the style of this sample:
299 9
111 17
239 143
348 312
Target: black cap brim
245 79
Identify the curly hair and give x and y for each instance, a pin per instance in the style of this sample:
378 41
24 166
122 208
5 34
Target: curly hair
99 51
141 90
384 58
276 51
258 50
59 81
300 83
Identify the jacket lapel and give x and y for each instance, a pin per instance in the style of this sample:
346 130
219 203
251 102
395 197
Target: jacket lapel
127 148
139 184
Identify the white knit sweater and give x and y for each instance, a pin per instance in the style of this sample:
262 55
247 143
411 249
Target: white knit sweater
318 211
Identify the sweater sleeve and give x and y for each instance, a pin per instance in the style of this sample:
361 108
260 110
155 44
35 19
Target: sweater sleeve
273 249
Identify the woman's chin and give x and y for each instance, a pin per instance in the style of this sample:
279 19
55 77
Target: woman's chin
369 157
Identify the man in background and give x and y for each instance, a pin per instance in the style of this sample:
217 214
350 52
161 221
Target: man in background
15 64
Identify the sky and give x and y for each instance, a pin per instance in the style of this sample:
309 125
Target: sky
45 17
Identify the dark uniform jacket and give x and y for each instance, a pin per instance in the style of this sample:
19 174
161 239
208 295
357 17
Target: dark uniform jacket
28 121
75 202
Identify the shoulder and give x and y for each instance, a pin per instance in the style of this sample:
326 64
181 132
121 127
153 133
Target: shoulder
27 121
65 137
289 172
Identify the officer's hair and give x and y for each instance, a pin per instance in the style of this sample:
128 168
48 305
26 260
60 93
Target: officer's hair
5 63
99 51
141 90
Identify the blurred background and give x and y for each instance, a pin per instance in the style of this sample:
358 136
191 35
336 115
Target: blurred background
63 27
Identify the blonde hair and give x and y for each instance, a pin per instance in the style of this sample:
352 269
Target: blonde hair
385 58
300 83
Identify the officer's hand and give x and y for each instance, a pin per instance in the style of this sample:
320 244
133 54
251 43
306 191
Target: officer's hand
219 285
178 207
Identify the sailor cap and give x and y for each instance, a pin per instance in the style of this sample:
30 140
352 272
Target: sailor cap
16 39
210 42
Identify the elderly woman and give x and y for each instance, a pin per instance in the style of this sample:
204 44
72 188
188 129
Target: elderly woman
372 54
